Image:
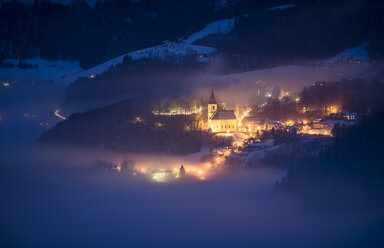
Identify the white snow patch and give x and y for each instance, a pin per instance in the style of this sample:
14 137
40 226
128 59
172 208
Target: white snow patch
219 27
285 6
45 70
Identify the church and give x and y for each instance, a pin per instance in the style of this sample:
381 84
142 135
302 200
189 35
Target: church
220 121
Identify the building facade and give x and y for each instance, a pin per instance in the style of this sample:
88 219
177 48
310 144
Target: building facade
220 121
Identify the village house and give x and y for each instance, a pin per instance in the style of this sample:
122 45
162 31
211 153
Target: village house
252 124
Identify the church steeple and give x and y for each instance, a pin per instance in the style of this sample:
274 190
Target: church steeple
212 100
212 105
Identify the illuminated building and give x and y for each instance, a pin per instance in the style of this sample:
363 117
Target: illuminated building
251 124
220 120
349 116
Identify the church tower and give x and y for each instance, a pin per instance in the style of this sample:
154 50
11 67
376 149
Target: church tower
212 105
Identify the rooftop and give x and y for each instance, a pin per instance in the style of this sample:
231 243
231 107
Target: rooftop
224 115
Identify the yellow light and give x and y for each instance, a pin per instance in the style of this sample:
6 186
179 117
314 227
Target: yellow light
289 123
200 172
58 114
227 131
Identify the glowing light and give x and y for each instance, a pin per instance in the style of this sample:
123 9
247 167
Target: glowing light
180 111
161 175
333 109
138 119
59 115
200 172
92 76
290 123
158 124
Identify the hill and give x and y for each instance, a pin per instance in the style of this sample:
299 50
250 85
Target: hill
119 127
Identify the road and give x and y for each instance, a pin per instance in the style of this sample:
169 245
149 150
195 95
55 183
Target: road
59 115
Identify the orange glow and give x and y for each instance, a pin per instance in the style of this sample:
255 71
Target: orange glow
333 109
290 123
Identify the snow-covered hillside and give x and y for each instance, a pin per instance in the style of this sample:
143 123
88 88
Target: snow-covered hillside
356 54
162 52
280 7
39 70
219 27
174 50
66 72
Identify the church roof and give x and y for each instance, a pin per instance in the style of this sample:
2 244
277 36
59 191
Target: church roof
224 115
212 100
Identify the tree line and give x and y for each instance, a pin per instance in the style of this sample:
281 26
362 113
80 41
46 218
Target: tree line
301 35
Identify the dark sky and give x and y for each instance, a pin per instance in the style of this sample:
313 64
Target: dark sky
91 2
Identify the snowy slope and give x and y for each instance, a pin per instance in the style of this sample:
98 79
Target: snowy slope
170 49
162 52
65 72
46 71
356 53
219 27
285 6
